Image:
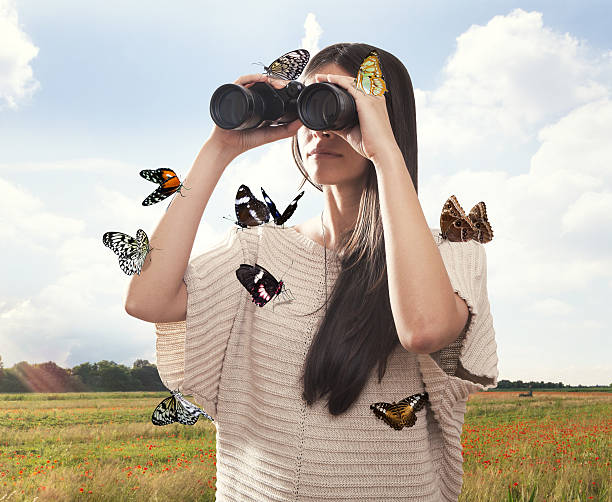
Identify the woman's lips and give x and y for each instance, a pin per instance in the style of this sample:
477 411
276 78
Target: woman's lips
323 154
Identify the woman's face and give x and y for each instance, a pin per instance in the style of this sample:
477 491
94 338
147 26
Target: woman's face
329 159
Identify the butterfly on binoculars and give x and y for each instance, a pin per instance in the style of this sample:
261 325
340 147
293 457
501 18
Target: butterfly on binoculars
289 66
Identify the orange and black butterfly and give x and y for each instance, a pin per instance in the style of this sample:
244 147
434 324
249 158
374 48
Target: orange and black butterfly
456 226
402 414
168 184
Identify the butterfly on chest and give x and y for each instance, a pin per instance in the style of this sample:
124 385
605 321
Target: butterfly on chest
261 284
456 226
401 414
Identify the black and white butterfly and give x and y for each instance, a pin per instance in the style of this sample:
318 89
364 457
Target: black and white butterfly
260 283
289 66
131 251
287 213
402 414
176 408
250 211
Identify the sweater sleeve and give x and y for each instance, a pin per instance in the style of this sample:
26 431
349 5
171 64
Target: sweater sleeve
469 364
190 353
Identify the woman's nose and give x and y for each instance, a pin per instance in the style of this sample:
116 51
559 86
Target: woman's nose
321 134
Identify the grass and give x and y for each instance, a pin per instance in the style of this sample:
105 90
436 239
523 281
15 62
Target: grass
102 446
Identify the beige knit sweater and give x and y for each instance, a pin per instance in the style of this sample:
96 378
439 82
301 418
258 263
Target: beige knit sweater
242 364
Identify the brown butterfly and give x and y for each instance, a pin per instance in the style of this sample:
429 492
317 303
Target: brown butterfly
402 414
456 226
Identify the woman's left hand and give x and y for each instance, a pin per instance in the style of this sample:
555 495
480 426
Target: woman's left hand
373 135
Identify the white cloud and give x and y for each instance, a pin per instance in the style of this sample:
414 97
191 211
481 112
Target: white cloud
548 199
551 307
17 80
26 221
91 164
312 35
503 81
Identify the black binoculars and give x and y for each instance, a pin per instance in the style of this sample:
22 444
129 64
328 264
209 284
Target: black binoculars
320 107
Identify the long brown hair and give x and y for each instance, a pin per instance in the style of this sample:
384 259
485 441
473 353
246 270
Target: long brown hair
358 331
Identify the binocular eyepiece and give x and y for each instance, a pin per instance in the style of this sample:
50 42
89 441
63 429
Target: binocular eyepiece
321 106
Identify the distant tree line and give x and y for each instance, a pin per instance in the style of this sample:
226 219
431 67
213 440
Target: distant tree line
102 376
519 384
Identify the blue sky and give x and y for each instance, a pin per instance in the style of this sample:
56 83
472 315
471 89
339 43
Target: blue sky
513 108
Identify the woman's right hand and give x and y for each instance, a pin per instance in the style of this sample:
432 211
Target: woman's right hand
239 141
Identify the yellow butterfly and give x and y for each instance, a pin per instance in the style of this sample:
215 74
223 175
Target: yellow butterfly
369 77
402 414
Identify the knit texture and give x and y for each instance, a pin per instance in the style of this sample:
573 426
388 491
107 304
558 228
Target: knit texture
242 365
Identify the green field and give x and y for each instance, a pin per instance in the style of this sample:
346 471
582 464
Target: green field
102 446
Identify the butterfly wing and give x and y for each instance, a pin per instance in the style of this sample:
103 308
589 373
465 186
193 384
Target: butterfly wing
131 251
370 78
165 412
289 66
168 184
402 414
260 283
250 211
188 413
121 244
287 213
478 217
454 224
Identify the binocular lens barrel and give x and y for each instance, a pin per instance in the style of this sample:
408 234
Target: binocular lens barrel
324 106
233 106
321 106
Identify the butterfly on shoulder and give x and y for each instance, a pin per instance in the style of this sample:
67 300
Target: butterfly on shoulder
289 66
456 226
176 408
279 219
261 284
131 251
168 184
370 78
402 414
250 211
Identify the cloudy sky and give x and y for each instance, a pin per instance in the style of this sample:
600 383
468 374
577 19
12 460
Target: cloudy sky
513 108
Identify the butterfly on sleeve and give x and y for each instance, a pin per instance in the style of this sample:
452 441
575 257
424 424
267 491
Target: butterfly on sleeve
168 184
176 408
401 414
131 251
457 227
251 212
261 284
289 66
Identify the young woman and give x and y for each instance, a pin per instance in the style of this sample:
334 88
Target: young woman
383 309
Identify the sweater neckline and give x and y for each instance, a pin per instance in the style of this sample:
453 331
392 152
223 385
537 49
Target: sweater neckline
309 244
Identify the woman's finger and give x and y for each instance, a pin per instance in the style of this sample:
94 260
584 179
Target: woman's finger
248 80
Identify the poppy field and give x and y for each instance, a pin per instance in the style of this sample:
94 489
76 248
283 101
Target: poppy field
102 446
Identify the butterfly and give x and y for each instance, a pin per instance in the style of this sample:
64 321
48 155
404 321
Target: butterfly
287 213
250 212
370 79
478 217
289 66
457 227
168 184
176 408
260 283
131 251
402 414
